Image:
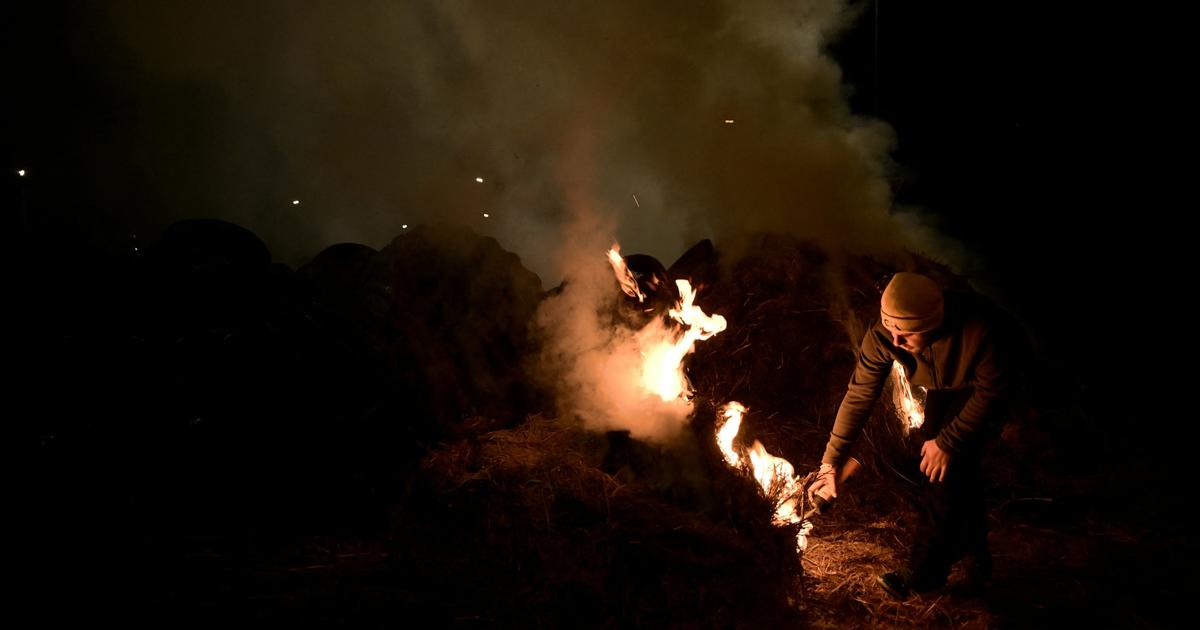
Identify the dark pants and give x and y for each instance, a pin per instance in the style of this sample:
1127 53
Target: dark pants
952 522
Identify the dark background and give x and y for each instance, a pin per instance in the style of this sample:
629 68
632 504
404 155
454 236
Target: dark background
1028 135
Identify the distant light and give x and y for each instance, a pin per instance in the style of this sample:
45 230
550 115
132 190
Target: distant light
135 249
728 121
21 173
486 215
404 227
295 202
479 179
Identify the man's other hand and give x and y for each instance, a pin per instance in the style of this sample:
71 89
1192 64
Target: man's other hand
934 461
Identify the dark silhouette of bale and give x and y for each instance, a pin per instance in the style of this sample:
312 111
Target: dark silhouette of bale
453 311
211 245
698 265
340 272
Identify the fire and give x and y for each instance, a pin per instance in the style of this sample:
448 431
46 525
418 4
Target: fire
776 476
663 349
662 365
911 410
728 430
628 284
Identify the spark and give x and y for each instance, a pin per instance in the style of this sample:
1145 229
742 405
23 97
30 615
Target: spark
479 179
295 202
635 201
404 227
728 121
21 173
486 215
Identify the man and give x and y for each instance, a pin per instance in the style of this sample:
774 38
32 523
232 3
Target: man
955 347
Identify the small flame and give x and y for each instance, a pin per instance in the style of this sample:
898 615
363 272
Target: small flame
728 430
628 284
911 411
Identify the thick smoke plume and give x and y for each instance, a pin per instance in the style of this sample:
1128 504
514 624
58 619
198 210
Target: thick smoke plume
554 127
382 114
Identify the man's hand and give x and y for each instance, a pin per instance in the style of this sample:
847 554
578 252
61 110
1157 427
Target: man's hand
826 483
934 461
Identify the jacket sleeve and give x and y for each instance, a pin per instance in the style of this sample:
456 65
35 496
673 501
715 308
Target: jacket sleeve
870 374
988 404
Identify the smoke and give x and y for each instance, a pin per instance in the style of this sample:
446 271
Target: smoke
382 114
654 124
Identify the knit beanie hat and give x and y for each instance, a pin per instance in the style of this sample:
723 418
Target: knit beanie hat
911 303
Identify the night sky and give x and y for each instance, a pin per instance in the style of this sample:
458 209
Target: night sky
993 136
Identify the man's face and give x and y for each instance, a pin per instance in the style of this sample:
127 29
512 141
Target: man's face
910 341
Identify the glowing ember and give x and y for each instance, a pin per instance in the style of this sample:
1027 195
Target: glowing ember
911 410
628 284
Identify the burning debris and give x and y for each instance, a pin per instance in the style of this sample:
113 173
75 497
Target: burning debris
663 351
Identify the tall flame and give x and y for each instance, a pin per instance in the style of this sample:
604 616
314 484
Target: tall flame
624 276
662 366
911 410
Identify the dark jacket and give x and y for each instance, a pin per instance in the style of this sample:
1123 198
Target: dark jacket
972 354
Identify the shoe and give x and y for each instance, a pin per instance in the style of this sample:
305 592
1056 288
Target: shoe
902 583
978 569
894 584
977 577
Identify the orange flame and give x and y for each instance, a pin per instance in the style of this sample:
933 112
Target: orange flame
662 365
776 476
911 411
728 430
624 276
